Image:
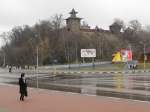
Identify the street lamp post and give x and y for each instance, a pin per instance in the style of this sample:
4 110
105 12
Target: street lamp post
37 61
37 65
144 57
145 81
4 60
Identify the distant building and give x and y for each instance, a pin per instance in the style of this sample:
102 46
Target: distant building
74 25
114 28
73 22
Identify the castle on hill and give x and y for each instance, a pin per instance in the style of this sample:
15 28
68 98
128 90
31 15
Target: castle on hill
74 25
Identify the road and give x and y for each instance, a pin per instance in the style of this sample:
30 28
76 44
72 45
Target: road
131 86
77 65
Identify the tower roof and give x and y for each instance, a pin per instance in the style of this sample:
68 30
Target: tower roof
73 13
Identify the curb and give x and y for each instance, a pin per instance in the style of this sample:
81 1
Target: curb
100 72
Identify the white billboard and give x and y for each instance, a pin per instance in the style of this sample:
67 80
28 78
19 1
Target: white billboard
88 53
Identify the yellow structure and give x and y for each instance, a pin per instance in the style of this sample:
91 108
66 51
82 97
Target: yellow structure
117 57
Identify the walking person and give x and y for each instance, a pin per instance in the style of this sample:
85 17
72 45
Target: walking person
23 86
10 69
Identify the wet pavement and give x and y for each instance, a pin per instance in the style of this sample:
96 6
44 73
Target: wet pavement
130 86
53 101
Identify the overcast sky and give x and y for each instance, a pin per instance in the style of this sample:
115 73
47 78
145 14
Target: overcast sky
95 12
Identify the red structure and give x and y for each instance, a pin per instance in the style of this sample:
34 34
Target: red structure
147 58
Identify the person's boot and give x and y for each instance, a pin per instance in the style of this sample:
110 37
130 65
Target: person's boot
20 98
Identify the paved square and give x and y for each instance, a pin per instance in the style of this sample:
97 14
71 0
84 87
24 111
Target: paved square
52 101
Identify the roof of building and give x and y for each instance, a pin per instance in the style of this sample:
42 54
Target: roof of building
73 15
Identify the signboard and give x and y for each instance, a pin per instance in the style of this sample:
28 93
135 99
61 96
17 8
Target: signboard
122 56
126 55
145 57
88 53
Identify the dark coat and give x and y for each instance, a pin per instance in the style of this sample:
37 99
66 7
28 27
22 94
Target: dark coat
23 87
